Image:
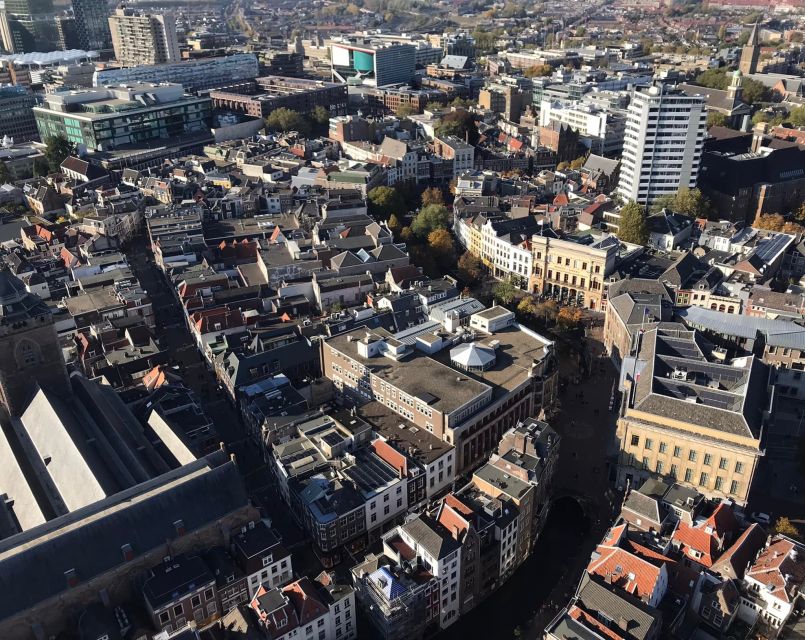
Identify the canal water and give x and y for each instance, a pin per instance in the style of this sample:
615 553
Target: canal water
509 612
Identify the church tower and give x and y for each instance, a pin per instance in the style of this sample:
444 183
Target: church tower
735 90
29 346
750 53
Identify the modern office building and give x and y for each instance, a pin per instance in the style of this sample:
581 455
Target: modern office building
662 146
66 32
262 96
28 25
372 63
193 75
109 118
141 38
16 118
92 24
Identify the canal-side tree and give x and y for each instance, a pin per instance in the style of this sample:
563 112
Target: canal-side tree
632 225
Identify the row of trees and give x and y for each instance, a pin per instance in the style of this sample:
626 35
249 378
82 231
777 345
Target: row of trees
285 120
753 91
429 241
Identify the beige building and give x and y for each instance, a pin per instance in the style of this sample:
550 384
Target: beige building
465 393
140 38
691 418
633 305
574 271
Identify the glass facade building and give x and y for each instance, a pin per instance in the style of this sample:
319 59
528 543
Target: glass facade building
110 118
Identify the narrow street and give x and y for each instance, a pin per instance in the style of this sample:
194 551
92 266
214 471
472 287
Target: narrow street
583 501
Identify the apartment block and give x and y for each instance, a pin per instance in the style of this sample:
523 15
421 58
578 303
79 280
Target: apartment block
662 148
140 38
691 417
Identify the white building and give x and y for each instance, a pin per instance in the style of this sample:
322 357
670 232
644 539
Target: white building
662 146
600 130
440 554
772 583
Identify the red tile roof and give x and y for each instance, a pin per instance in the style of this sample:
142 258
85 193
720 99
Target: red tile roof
389 454
626 571
708 537
581 616
775 563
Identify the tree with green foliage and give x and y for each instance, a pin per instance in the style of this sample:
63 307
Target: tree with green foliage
433 105
432 195
690 202
460 124
470 269
384 201
783 526
716 119
57 148
753 91
285 120
632 225
5 174
42 167
430 218
320 116
404 110
505 292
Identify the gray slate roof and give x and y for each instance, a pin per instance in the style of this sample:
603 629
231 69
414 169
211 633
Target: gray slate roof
33 563
779 333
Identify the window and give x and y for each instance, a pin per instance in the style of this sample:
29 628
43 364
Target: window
719 483
645 463
266 561
703 479
739 468
164 617
722 464
178 610
195 601
321 622
663 447
674 471
659 466
708 459
734 486
635 440
677 452
649 444
688 475
692 455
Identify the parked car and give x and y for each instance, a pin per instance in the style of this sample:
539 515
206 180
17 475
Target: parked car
761 518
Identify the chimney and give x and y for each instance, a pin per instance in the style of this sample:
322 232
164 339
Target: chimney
180 528
127 551
623 623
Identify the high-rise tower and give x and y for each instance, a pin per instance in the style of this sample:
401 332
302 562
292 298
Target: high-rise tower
662 146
